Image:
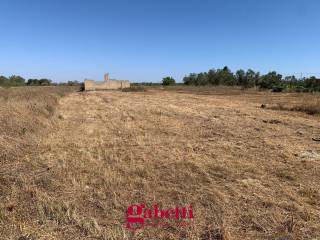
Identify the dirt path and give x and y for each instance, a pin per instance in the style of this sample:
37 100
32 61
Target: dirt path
248 172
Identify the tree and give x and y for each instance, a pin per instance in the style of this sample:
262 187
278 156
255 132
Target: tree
16 80
213 77
73 83
312 83
168 81
33 82
37 82
252 78
291 81
226 77
202 79
191 79
270 80
241 78
44 82
3 81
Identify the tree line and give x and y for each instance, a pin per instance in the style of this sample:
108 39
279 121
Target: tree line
16 81
250 78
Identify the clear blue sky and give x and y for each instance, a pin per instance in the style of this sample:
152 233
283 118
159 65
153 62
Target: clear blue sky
145 40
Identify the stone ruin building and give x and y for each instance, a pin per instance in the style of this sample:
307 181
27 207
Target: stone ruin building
107 84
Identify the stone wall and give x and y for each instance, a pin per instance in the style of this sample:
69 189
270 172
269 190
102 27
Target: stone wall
107 84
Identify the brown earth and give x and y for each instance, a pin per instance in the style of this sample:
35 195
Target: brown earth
248 172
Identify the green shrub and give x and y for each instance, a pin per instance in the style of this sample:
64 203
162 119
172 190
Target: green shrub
168 81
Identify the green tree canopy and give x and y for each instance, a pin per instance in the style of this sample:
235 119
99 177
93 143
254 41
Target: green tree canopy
270 80
4 81
168 81
16 80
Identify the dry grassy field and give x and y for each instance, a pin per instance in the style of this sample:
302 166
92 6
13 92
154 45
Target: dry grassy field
72 162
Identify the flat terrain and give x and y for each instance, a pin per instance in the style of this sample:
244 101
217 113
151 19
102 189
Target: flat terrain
249 172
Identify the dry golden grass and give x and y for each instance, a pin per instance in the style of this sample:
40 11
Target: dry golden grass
249 173
24 113
309 104
299 102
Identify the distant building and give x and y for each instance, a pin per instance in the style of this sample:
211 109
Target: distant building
107 84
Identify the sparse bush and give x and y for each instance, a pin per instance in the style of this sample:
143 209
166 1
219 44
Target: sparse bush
134 89
277 89
145 84
82 87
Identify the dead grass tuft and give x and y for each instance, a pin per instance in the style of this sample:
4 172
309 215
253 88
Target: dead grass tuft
134 89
